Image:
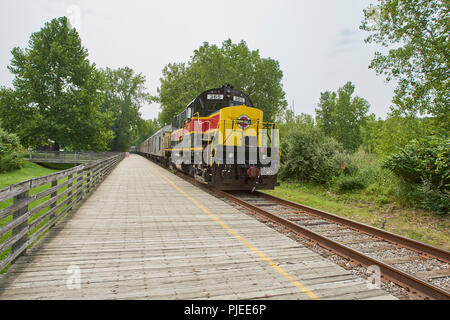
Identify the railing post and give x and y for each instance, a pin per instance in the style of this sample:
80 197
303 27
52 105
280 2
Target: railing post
96 178
80 177
17 214
53 194
88 181
102 171
68 187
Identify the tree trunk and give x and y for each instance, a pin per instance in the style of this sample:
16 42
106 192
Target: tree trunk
56 149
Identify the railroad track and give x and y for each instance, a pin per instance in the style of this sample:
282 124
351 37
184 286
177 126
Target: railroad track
421 269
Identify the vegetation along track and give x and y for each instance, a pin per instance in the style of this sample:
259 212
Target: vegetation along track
423 270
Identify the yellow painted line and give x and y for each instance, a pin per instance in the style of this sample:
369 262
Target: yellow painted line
237 236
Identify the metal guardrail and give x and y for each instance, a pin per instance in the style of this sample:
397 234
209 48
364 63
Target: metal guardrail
33 211
68 156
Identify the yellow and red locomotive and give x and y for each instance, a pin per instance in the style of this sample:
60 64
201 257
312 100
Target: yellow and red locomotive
221 140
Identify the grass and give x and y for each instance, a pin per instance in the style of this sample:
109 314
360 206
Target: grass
419 225
30 170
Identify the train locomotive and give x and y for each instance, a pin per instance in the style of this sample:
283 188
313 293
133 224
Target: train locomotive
220 138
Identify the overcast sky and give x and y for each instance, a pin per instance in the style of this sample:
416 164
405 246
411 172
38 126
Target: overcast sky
318 43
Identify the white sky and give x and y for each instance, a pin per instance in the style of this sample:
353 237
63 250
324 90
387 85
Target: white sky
318 43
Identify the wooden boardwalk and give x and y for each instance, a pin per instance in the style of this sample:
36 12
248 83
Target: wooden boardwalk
147 234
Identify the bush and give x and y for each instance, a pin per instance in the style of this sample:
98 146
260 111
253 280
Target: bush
433 199
10 152
425 159
308 155
345 183
351 164
424 165
378 180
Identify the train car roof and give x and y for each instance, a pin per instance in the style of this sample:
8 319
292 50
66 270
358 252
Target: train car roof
167 128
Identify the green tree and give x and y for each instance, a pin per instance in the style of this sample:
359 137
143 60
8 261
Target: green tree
57 92
370 133
325 112
212 66
290 122
396 132
10 152
417 33
125 94
340 115
145 129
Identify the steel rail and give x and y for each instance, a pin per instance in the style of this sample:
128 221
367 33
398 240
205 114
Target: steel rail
415 285
385 235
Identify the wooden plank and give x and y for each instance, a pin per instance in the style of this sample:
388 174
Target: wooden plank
13 255
53 194
13 239
74 161
18 216
14 207
193 288
178 276
438 273
242 282
403 259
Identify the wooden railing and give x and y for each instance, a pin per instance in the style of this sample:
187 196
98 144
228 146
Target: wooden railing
29 208
68 156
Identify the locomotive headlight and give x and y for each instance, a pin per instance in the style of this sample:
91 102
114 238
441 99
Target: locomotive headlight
264 157
230 155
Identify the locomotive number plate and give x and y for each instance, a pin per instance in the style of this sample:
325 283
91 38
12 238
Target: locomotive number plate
239 99
214 96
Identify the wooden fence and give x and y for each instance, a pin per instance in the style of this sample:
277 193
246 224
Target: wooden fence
29 208
68 156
